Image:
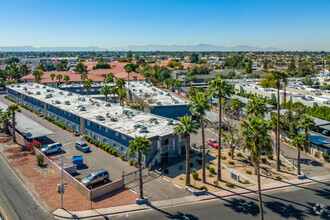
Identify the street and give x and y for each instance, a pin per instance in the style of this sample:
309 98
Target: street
296 202
15 200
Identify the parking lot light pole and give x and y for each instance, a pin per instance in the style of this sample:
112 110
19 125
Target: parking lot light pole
62 188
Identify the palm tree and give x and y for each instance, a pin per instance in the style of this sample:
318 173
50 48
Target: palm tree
13 109
114 91
167 82
172 81
278 76
5 117
122 94
221 89
109 78
300 143
59 78
88 85
273 125
38 73
305 123
128 70
83 76
147 75
120 82
192 91
236 104
199 105
141 146
66 79
52 76
256 107
256 140
178 85
105 91
186 127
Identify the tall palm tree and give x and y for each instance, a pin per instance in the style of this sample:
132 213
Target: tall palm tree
120 82
236 104
105 91
273 126
13 109
141 146
300 142
122 95
221 89
172 82
38 73
278 76
66 79
178 85
167 82
256 107
52 76
146 75
256 139
199 105
88 85
5 117
59 78
83 76
186 127
192 91
305 123
114 91
128 70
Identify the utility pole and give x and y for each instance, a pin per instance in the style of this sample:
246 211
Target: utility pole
62 187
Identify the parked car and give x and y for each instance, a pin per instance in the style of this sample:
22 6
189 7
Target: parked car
213 143
82 146
52 148
96 177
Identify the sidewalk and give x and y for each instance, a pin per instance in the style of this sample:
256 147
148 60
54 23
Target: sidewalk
64 214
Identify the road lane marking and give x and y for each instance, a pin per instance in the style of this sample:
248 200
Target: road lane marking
2 213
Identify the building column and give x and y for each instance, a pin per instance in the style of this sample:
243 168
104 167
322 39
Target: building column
45 109
82 126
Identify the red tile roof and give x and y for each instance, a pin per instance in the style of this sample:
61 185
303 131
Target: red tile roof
132 75
74 77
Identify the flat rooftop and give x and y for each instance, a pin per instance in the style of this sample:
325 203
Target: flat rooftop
118 118
27 126
267 90
155 96
80 85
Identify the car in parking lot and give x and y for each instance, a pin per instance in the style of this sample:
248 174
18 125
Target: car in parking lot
212 142
82 146
96 177
52 148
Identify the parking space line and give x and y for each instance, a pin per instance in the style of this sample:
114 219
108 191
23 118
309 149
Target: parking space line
2 214
69 143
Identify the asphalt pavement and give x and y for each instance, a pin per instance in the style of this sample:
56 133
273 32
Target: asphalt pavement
297 202
16 201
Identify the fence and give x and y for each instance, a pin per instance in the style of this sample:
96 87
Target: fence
89 194
131 177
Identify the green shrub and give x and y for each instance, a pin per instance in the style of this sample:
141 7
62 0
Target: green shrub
215 183
278 178
248 172
239 154
136 164
130 162
193 170
210 175
207 166
229 184
223 157
263 160
114 152
229 153
250 163
180 167
166 171
123 157
316 154
110 150
270 156
191 165
212 170
40 160
195 175
203 187
231 162
325 156
246 182
106 148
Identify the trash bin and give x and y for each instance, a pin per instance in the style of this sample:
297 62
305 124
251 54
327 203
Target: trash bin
78 160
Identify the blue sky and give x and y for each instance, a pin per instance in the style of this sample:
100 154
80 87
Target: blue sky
285 24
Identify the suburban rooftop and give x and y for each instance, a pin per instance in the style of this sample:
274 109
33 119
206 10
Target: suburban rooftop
118 118
154 96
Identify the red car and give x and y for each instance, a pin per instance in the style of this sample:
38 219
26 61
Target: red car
213 143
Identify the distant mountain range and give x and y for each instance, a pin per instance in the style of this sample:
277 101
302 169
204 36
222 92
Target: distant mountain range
199 47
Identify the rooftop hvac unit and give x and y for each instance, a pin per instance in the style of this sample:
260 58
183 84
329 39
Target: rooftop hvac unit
82 99
97 104
132 86
57 102
38 93
168 94
52 90
47 90
170 122
107 105
82 108
134 90
100 118
60 93
25 89
144 129
67 102
114 119
140 90
44 87
36 86
70 94
47 96
18 86
153 89
160 93
150 101
136 126
159 103
30 93
175 101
